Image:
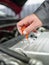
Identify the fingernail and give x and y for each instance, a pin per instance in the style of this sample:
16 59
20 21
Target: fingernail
24 32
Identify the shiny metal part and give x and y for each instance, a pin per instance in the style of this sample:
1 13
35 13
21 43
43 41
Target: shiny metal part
37 48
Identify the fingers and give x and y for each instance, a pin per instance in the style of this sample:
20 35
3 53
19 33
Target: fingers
21 23
31 27
25 22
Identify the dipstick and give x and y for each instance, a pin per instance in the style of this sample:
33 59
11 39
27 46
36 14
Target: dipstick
26 36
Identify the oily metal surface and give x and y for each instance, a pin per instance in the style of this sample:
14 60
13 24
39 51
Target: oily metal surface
41 43
34 47
37 48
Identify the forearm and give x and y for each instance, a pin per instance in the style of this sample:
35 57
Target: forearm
43 13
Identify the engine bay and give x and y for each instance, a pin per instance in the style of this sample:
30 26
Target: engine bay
35 49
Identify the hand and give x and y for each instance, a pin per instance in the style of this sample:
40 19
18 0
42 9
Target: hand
31 22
